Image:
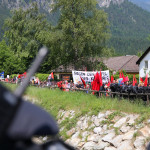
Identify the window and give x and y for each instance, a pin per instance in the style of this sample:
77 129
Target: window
146 64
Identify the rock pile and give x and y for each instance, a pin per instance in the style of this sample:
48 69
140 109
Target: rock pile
108 130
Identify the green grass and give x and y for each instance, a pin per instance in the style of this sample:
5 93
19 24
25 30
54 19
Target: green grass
54 100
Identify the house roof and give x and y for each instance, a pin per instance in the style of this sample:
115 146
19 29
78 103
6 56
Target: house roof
145 53
127 63
67 68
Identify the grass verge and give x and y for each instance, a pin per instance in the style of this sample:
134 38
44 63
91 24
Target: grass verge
54 100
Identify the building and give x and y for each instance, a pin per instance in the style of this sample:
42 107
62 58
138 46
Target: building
144 64
127 63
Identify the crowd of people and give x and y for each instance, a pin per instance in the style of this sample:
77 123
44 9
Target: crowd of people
106 89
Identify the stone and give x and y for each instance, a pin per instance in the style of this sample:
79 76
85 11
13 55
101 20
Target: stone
79 124
115 119
71 132
94 137
105 127
125 145
107 113
84 135
120 122
139 142
91 137
139 126
66 115
117 140
97 130
97 122
89 146
101 115
108 138
110 148
81 144
75 135
84 124
145 131
108 131
97 139
128 135
125 129
101 145
132 119
74 142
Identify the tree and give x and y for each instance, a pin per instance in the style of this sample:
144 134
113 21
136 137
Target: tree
26 32
8 62
84 29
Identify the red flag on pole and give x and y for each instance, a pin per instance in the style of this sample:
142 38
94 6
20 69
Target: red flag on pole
120 75
83 82
141 80
100 78
52 75
134 80
112 79
146 80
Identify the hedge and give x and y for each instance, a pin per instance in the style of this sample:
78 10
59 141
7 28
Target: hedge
41 76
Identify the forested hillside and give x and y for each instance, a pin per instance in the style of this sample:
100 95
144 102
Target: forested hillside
130 27
129 24
145 4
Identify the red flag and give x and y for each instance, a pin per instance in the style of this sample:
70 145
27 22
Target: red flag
134 80
6 80
83 82
59 84
112 79
100 78
141 79
52 75
120 75
96 82
19 76
127 79
146 80
108 84
24 74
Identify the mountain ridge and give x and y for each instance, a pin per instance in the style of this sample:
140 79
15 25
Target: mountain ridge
129 24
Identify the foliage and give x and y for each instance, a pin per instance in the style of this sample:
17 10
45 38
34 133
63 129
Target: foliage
26 32
8 62
42 77
84 28
130 76
129 27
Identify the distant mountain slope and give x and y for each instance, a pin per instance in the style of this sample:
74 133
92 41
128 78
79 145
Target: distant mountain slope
130 27
145 4
129 24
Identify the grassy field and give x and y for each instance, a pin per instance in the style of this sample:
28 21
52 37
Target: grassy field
55 100
82 103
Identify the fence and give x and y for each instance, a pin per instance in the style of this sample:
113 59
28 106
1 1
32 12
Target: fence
119 95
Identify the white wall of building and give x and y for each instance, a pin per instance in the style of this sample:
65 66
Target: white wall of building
142 70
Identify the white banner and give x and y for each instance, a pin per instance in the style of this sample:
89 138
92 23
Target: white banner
88 76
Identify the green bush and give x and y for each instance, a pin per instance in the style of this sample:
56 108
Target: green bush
130 76
11 76
41 76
